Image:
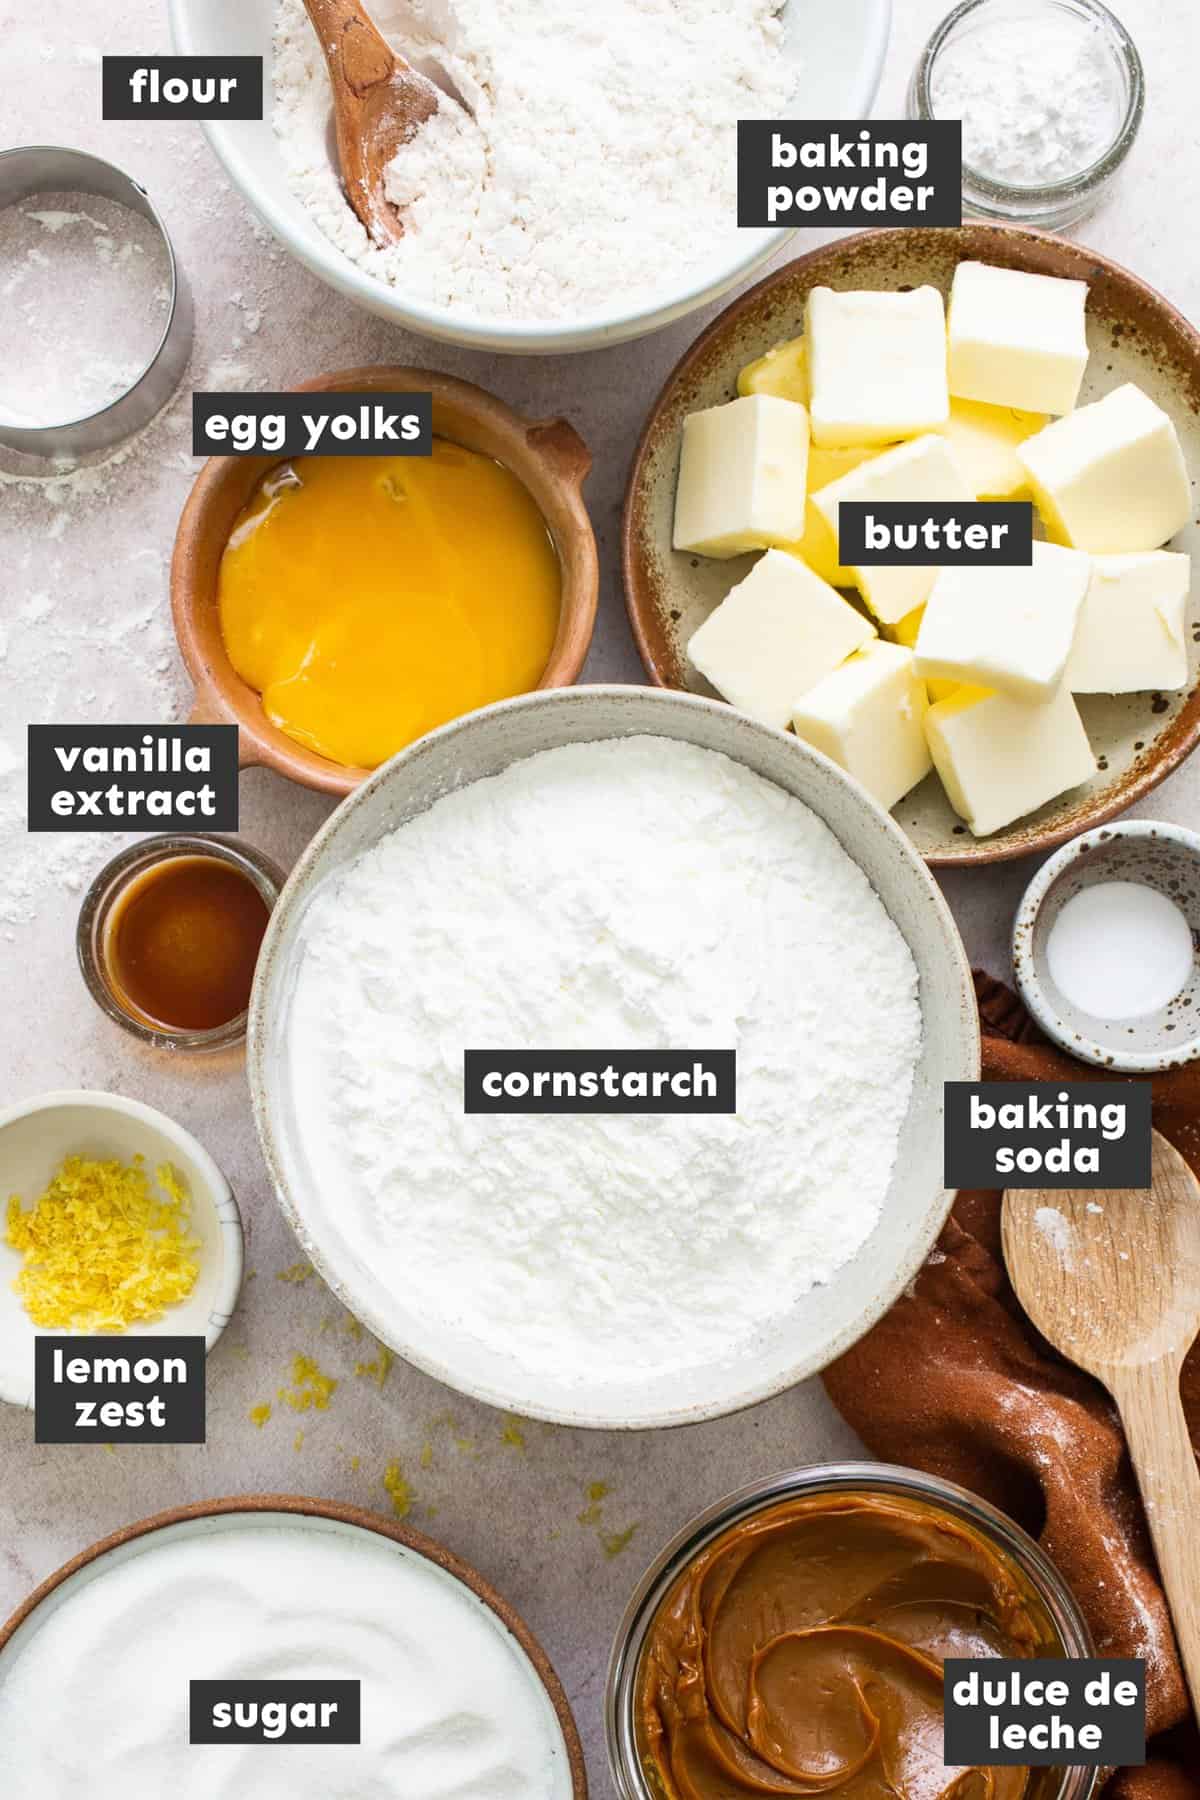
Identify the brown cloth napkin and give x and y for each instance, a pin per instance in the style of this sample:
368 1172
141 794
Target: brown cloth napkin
956 1380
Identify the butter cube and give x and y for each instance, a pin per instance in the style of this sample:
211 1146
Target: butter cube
906 632
1110 477
924 469
876 365
782 371
1016 339
1009 629
818 546
775 635
1000 759
869 718
743 474
984 440
1131 630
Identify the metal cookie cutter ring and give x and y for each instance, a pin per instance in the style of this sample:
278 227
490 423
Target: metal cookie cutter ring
45 168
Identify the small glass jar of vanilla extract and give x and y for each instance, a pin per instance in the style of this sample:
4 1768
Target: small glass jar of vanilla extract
169 936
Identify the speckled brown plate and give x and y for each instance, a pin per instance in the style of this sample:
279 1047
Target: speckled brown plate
208 1515
1135 335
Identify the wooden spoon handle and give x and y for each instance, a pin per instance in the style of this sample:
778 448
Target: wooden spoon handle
1156 1430
353 48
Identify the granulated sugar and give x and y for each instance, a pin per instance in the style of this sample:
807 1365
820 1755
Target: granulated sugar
638 894
85 291
592 162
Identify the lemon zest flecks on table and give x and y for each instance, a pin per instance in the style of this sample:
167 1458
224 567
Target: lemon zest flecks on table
311 1387
399 1489
597 1492
297 1274
378 1369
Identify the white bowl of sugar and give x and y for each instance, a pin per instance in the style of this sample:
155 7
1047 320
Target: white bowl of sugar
576 124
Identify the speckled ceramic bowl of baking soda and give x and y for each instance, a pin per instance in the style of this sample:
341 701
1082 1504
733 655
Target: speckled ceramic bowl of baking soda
1158 855
828 1319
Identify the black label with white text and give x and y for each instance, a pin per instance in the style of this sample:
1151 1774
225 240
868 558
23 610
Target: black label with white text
312 424
181 87
119 1390
133 777
1045 1134
275 1712
600 1081
963 534
827 172
1046 1712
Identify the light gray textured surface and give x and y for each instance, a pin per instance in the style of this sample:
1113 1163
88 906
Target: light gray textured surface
82 632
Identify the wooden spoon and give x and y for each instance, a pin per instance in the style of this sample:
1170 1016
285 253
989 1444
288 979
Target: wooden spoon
1112 1278
379 102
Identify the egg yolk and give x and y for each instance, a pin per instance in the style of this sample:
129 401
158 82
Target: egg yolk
371 599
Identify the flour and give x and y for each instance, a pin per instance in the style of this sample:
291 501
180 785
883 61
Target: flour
591 166
1039 95
639 893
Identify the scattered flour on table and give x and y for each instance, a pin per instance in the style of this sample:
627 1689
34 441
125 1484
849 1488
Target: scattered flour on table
591 163
630 894
85 634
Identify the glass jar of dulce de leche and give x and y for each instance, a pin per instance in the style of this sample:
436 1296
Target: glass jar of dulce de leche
790 1640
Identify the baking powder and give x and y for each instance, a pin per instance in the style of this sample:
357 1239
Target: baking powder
637 894
592 165
1038 92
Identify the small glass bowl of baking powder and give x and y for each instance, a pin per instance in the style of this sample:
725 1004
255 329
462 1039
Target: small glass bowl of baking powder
1050 94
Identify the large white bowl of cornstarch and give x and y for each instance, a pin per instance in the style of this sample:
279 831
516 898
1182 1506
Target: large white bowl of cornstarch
595 891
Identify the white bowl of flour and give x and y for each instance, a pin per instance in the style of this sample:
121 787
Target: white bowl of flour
582 193
595 869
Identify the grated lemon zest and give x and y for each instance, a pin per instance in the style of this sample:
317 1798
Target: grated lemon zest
102 1251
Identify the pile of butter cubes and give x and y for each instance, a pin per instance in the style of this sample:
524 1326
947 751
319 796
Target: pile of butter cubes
969 670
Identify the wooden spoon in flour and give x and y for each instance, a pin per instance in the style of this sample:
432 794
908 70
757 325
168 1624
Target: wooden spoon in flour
1112 1278
379 102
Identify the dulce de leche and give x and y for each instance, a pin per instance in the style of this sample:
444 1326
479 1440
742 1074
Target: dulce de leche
801 1653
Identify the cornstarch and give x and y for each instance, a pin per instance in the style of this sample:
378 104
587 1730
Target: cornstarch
637 894
591 163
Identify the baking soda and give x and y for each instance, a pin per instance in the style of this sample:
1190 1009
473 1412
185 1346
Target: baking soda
1120 950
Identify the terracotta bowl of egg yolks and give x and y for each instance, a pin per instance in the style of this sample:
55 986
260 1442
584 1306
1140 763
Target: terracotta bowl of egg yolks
547 456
